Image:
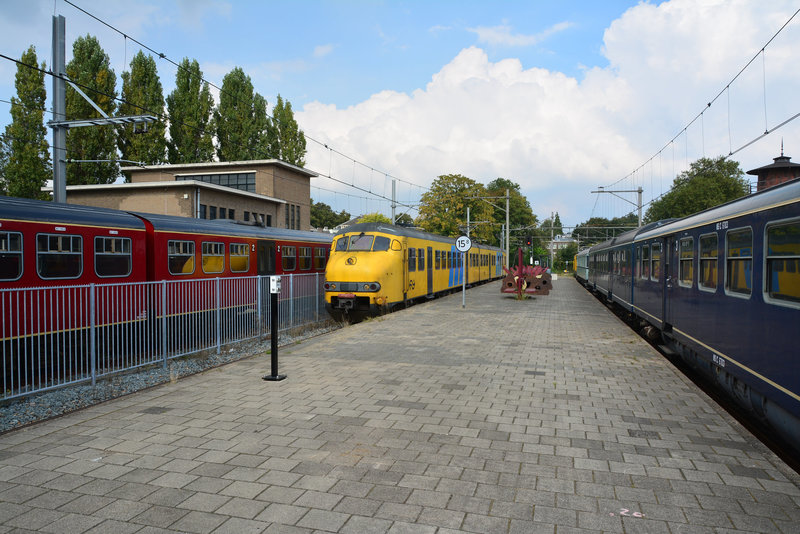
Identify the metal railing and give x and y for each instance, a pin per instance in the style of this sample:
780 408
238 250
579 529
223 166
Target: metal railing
57 336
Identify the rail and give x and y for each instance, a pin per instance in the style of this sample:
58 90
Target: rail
58 336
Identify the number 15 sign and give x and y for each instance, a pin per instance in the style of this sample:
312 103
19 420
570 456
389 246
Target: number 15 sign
463 243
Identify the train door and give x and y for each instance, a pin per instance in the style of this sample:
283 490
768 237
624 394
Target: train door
265 253
429 269
405 270
670 279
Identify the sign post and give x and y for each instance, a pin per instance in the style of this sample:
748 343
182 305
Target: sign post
463 244
274 290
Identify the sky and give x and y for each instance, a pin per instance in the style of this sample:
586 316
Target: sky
560 97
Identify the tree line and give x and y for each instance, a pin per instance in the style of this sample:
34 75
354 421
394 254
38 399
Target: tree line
190 127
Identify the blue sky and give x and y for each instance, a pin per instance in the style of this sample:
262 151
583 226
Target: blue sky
560 97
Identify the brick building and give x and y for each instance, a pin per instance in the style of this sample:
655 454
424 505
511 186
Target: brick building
781 170
271 192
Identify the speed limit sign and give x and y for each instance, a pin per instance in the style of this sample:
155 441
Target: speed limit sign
463 243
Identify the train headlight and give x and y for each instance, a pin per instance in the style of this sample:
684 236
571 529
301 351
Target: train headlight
330 286
371 286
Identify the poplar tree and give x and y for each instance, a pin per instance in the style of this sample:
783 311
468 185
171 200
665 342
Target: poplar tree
285 139
142 95
189 107
26 159
240 118
90 69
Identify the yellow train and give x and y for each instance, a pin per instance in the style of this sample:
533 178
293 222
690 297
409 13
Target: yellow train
375 267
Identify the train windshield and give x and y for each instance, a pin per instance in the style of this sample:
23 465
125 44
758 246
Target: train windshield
364 242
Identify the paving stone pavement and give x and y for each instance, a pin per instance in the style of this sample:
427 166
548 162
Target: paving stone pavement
539 416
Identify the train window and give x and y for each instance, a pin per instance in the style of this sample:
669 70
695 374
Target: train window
320 258
305 258
341 244
10 255
59 256
421 259
240 257
381 243
438 259
180 257
645 269
686 262
213 257
783 262
739 261
708 262
655 261
412 259
112 256
288 259
360 242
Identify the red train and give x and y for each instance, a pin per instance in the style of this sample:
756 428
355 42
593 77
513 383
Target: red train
142 284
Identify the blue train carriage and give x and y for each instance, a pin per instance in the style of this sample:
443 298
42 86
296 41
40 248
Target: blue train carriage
582 266
375 267
723 286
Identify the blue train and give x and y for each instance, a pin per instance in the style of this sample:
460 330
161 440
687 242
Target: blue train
722 289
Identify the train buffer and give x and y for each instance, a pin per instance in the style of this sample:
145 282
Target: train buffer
526 279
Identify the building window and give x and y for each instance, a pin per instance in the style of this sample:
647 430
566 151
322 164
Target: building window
686 259
267 218
213 257
240 257
739 261
223 213
180 257
288 258
244 181
246 216
212 212
59 256
708 262
232 214
286 209
203 211
10 255
112 256
783 262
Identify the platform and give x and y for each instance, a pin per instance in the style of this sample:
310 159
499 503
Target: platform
540 416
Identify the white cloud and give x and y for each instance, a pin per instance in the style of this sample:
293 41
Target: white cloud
322 50
501 35
559 137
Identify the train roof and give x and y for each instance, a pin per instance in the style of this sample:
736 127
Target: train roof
25 209
172 223
402 231
779 195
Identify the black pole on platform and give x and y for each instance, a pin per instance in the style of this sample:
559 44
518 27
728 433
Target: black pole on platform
274 290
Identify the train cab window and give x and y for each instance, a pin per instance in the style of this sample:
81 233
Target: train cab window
655 261
10 256
360 242
412 259
112 256
381 243
421 259
341 244
288 259
708 262
783 262
305 258
240 257
739 261
180 257
686 262
59 256
213 257
320 258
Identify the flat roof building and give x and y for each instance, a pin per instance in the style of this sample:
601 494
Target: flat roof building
270 192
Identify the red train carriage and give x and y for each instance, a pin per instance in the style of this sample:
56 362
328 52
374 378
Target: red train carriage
68 269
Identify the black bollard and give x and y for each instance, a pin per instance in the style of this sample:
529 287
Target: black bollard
274 290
